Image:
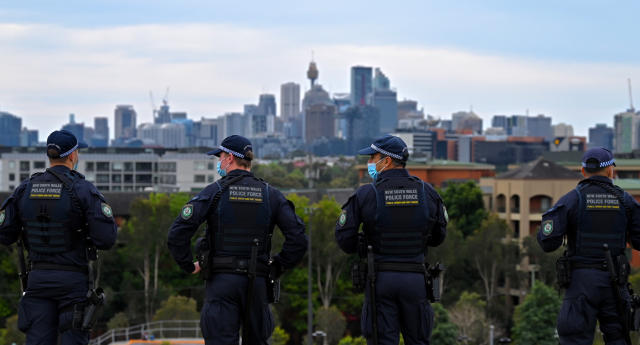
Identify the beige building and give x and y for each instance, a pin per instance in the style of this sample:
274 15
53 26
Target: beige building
522 195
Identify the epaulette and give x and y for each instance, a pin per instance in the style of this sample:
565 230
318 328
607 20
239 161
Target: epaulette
77 174
34 175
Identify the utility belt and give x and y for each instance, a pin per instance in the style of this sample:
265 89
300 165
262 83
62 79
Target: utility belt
58 267
432 275
565 267
231 264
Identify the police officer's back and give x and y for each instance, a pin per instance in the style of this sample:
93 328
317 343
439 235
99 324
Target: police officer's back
241 212
401 216
59 216
595 214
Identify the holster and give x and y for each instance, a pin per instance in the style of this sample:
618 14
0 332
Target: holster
563 271
273 290
85 314
359 276
204 260
434 282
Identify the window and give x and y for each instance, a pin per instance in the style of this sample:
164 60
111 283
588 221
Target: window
12 165
12 177
102 178
103 166
24 177
116 188
128 178
116 166
168 179
11 188
89 166
128 166
211 166
128 188
143 178
25 165
103 188
167 167
199 165
38 165
143 166
210 178
116 178
198 178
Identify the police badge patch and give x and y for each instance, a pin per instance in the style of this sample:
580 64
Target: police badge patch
187 211
2 216
106 210
446 215
547 227
343 218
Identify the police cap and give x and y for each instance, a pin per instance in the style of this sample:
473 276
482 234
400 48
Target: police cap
236 145
64 143
597 158
388 145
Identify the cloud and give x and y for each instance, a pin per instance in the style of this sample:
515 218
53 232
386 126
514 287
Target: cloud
50 71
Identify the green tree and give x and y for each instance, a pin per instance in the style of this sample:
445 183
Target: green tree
332 322
535 318
11 332
464 206
445 332
279 337
177 308
546 262
349 340
119 320
491 254
470 317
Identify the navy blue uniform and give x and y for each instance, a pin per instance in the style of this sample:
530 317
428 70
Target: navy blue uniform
45 306
588 217
401 297
222 313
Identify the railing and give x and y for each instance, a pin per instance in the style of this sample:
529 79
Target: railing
151 330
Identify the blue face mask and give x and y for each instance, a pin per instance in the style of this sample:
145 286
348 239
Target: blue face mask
221 172
371 169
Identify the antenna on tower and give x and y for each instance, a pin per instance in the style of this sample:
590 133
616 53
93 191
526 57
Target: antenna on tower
630 95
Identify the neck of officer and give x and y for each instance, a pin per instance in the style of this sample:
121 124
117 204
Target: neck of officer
234 166
66 163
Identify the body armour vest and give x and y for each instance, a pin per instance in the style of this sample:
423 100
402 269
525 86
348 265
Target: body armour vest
243 214
52 221
601 219
402 217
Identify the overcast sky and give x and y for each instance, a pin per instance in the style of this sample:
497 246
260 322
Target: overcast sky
566 59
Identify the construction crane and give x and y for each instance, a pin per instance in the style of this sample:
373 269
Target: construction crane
630 94
165 100
153 104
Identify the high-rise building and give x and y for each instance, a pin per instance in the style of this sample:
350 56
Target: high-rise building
386 101
289 101
360 84
169 135
466 121
539 126
206 132
626 131
101 132
234 123
125 122
500 121
10 127
319 115
267 104
28 137
76 128
163 115
601 136
562 130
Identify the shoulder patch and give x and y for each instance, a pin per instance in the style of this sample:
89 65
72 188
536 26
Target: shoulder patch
343 218
446 215
547 227
2 217
106 210
187 211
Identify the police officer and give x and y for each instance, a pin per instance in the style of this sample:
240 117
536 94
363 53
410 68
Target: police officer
58 215
594 214
241 212
402 215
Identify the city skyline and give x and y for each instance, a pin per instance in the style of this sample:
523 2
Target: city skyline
88 60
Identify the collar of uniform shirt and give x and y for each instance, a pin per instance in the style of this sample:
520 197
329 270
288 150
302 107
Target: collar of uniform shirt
394 172
239 172
598 178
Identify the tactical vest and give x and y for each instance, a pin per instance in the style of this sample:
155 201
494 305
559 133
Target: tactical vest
402 217
52 220
242 215
601 219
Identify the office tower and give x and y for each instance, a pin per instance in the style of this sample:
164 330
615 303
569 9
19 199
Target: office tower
500 121
626 131
466 121
206 132
10 127
562 130
28 137
101 132
386 101
289 101
267 104
601 136
360 84
163 115
76 128
539 126
408 109
125 122
319 114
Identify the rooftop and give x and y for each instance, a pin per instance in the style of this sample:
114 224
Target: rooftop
540 169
